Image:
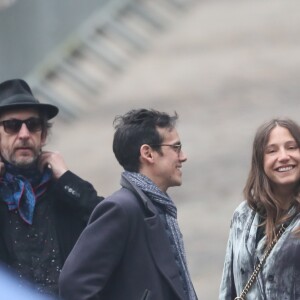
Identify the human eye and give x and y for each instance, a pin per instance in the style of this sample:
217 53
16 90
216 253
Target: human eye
270 150
293 146
177 147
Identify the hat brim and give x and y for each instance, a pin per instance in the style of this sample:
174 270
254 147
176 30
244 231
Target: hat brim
50 110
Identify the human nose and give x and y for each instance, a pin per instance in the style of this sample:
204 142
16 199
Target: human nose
182 156
24 132
283 155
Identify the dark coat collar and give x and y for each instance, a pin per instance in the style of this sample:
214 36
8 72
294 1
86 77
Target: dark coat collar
157 241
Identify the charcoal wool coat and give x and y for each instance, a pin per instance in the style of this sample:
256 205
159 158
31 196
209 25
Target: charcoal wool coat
280 275
124 253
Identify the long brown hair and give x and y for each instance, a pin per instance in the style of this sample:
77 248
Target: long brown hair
258 191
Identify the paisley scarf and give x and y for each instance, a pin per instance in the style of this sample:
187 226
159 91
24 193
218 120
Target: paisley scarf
21 188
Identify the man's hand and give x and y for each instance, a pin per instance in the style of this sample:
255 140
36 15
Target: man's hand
54 161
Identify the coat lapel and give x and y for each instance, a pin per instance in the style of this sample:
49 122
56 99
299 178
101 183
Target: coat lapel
158 242
162 253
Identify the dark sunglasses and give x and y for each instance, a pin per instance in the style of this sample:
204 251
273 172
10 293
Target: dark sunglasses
13 126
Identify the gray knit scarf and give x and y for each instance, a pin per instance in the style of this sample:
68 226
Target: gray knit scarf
170 210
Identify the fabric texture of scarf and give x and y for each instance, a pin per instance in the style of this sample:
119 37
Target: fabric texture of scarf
170 210
21 188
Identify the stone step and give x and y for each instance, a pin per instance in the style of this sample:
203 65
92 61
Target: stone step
74 77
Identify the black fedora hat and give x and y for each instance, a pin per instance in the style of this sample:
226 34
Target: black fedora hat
16 93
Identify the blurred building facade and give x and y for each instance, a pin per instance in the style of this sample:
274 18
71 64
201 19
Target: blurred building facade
30 30
70 50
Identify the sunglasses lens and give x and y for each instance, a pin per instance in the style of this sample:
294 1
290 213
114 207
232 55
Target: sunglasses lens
34 124
14 126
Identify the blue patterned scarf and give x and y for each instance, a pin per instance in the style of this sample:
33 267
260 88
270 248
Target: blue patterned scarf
170 210
20 189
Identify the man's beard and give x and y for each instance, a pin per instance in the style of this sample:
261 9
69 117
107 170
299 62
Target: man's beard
26 162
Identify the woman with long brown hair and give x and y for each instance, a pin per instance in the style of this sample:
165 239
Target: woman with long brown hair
262 259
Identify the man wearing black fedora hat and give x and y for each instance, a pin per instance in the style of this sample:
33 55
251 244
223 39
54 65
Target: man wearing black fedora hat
43 206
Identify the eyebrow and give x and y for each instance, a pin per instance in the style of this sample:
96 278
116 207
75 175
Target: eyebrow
285 143
176 143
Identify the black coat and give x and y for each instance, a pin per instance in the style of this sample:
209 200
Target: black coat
123 253
73 201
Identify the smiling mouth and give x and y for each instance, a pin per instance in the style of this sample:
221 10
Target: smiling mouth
285 169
